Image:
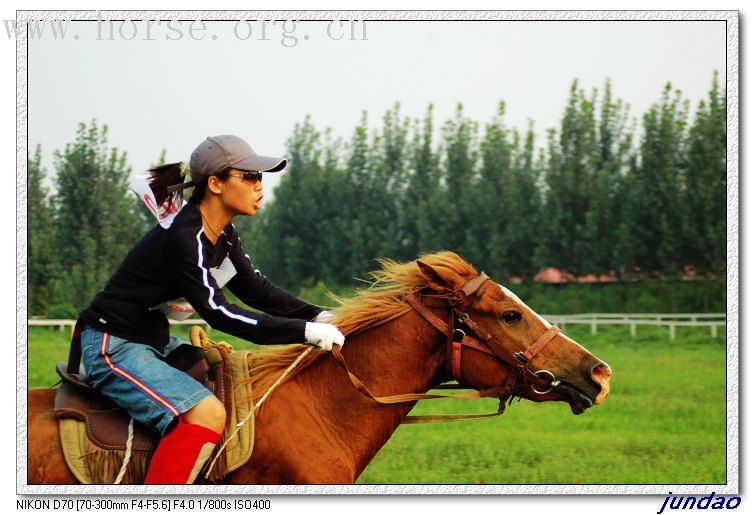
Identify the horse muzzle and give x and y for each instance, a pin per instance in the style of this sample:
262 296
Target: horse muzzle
581 394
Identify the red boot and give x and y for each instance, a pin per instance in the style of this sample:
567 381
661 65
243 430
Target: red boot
181 454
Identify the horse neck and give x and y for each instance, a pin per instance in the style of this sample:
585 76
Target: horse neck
406 355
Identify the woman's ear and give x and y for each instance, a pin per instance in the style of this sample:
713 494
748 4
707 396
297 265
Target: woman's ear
214 185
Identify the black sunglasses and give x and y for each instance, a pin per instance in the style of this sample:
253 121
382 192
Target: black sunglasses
247 176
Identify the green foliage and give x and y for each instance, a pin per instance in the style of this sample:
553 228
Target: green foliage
603 209
656 216
96 220
42 263
570 179
520 209
704 198
585 202
459 172
422 218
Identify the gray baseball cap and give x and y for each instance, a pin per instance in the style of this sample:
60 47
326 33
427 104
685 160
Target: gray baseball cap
217 153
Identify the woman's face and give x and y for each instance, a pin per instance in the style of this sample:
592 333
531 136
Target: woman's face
241 192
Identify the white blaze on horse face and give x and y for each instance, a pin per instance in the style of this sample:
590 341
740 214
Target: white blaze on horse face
547 324
605 376
512 295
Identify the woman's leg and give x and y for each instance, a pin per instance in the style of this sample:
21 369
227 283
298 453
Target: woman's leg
209 413
181 454
187 445
160 396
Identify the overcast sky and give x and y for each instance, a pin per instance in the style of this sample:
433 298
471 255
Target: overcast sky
171 94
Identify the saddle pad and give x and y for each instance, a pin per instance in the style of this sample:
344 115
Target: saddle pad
239 449
93 464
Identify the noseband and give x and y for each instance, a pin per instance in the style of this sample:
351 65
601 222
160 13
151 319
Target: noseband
521 379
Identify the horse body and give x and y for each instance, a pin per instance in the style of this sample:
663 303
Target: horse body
316 428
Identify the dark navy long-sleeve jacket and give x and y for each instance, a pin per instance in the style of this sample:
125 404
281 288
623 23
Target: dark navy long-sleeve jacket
167 264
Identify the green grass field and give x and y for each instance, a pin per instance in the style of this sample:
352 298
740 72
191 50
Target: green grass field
663 423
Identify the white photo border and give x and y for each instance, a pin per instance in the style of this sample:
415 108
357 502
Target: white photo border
732 316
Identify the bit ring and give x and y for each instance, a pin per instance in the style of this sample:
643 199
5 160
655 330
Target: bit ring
554 382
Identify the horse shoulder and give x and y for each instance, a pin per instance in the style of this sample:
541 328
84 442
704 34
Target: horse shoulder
295 442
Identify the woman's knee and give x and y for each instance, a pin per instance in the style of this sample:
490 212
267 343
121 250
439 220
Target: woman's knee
209 412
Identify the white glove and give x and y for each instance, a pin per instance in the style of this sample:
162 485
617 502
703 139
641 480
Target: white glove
324 317
323 335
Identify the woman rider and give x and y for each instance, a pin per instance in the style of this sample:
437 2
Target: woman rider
125 340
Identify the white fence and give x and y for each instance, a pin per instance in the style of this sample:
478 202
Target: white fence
670 320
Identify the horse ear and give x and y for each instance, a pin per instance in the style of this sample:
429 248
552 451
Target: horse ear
440 278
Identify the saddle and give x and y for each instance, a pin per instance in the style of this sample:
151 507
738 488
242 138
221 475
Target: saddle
94 431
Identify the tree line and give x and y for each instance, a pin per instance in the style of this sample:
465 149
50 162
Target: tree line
595 198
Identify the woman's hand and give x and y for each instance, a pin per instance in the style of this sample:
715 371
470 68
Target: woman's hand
323 336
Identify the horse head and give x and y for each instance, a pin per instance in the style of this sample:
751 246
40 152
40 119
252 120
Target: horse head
500 342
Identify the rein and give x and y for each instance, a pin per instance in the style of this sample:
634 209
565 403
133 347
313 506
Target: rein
409 397
517 384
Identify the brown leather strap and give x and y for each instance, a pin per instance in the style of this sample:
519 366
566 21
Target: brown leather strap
395 399
428 419
541 342
428 315
453 358
74 352
443 327
410 397
522 372
449 332
499 350
492 346
456 360
474 284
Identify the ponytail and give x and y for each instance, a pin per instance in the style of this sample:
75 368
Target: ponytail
167 180
162 177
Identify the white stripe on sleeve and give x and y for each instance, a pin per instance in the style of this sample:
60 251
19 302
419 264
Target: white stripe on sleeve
211 300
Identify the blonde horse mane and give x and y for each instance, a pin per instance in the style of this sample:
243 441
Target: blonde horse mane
381 302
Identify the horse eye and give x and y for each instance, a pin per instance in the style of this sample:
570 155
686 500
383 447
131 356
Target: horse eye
511 317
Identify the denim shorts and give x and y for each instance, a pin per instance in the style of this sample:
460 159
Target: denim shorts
136 378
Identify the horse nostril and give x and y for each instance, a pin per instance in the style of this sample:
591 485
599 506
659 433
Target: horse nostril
601 373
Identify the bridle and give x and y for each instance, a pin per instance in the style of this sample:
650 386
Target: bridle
517 384
521 379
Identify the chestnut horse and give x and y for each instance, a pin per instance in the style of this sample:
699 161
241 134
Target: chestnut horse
316 428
